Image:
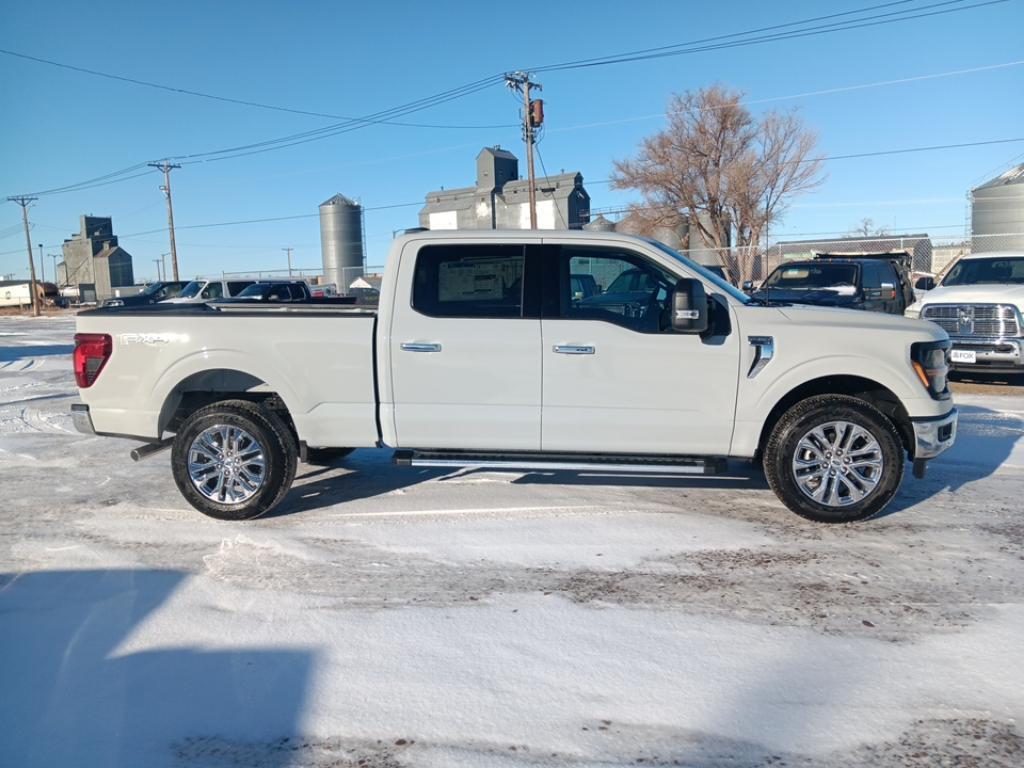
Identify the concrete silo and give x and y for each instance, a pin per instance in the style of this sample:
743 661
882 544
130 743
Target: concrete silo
341 241
997 213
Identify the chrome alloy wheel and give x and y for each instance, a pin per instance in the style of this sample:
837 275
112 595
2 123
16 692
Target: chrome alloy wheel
226 464
837 463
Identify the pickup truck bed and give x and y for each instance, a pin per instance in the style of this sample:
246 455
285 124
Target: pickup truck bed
252 345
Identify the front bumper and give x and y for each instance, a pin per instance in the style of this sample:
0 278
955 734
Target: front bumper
933 435
82 419
996 354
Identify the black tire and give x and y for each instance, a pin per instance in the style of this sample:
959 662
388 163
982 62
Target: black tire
798 421
279 455
326 455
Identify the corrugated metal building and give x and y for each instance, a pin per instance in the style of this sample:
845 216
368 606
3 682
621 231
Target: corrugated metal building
500 200
93 262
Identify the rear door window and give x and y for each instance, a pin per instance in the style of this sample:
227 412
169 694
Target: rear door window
236 287
470 281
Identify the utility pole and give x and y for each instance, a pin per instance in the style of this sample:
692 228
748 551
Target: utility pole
159 275
56 278
533 116
23 201
42 264
167 167
163 265
289 252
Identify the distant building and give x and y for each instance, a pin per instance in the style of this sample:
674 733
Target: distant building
500 200
918 247
94 263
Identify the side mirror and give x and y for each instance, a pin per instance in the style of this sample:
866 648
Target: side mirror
925 283
689 306
748 286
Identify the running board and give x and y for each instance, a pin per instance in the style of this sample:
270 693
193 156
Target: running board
641 464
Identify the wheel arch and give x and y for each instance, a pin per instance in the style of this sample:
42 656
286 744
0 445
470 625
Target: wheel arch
863 388
205 387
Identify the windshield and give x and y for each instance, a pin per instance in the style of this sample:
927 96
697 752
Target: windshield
711 277
256 289
192 289
812 276
977 271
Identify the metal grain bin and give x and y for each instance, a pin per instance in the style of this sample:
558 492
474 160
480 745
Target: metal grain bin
341 241
997 213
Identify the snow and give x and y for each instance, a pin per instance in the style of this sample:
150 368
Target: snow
393 617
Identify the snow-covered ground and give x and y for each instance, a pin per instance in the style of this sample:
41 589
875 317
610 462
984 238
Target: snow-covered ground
395 617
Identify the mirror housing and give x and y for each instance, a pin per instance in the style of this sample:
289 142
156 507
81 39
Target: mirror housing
748 286
689 306
924 283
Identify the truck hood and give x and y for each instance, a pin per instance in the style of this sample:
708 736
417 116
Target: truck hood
989 293
853 319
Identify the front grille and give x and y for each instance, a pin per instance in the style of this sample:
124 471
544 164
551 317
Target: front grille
984 320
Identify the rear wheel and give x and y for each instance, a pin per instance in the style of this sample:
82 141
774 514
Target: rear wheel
234 460
834 459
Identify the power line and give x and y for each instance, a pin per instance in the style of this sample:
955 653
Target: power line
227 99
697 47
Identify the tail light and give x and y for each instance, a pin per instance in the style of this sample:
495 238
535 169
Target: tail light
92 350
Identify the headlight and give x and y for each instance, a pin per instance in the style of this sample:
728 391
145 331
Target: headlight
930 360
113 303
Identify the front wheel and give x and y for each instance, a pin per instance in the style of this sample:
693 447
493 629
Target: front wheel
834 459
234 460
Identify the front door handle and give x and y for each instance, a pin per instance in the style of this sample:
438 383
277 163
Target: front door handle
416 346
574 349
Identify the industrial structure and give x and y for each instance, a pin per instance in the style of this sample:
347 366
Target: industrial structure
997 213
500 200
94 264
341 241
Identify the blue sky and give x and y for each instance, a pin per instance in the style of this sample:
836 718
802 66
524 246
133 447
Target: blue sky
61 127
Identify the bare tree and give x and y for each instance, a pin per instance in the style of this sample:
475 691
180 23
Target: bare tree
724 169
867 228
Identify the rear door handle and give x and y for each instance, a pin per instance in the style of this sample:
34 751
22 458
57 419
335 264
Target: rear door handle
416 346
574 349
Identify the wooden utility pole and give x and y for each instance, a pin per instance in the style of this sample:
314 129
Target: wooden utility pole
23 201
289 252
167 167
520 81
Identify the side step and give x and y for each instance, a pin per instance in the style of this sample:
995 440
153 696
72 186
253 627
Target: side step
633 463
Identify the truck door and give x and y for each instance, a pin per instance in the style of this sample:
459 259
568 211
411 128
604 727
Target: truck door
617 379
465 349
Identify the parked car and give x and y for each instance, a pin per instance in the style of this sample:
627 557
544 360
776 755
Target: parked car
284 292
447 372
980 304
202 291
151 294
873 284
276 291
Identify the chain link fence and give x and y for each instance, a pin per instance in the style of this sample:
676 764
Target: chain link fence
928 255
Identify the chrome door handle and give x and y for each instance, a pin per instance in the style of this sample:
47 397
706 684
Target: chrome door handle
574 349
416 346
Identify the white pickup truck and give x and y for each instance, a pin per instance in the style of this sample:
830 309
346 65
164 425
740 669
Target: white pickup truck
482 354
980 304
